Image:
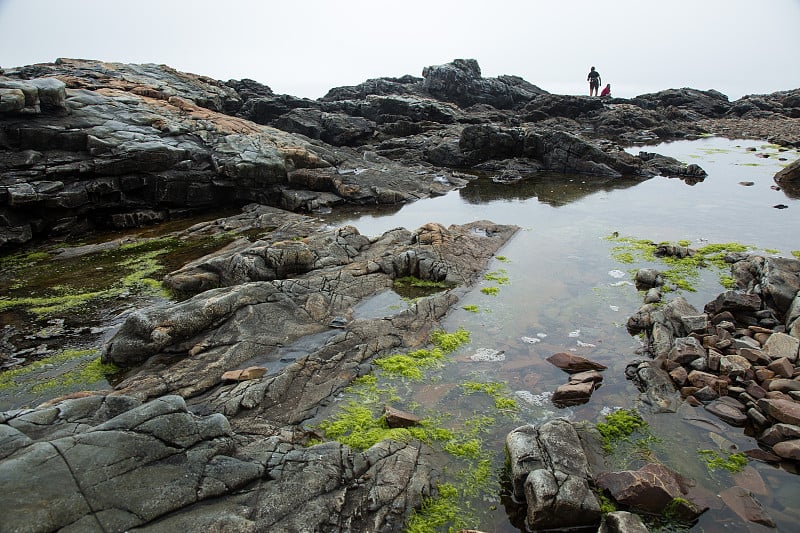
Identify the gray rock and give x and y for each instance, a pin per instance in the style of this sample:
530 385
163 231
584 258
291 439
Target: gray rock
622 522
550 472
656 386
782 345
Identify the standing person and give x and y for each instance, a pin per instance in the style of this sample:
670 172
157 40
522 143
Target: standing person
594 82
606 91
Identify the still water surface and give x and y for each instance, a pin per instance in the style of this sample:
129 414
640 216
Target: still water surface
565 294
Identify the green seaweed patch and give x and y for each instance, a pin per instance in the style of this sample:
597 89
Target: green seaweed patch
410 365
356 426
682 273
620 426
498 276
439 511
491 291
734 462
607 505
472 308
503 259
795 254
772 251
498 392
449 342
84 374
66 370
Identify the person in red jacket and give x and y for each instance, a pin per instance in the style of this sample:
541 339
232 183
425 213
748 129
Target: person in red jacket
606 90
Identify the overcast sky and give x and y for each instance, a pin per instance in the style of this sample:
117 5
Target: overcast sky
305 47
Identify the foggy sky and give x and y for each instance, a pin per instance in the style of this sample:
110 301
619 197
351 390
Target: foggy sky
306 47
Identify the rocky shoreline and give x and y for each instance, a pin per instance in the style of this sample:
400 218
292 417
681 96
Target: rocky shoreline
206 429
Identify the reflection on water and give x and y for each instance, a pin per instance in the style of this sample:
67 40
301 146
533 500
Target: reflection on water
564 295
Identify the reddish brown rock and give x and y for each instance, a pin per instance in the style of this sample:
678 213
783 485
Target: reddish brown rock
573 393
253 372
781 410
763 374
679 376
649 489
788 449
573 363
701 379
742 502
762 455
782 367
397 418
728 413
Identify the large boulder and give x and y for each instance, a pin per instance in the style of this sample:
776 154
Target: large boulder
460 82
550 472
695 102
654 489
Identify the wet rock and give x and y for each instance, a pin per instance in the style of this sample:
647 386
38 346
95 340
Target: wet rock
778 433
651 489
656 386
578 390
573 363
781 410
550 472
622 522
746 506
685 350
788 449
728 413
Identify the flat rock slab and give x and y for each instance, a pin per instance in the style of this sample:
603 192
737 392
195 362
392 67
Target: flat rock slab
573 363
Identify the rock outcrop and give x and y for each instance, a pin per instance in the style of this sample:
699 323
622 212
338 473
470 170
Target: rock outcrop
111 463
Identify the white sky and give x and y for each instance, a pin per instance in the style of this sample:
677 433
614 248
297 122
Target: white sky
305 47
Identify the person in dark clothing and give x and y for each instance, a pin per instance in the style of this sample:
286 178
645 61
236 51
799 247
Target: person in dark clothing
594 82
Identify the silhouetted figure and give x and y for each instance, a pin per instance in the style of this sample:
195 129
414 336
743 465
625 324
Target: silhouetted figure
594 82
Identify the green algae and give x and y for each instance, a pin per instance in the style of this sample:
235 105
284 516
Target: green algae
438 511
620 426
411 281
795 254
498 276
498 392
491 291
734 462
411 365
43 284
471 308
64 372
359 423
503 259
449 342
681 273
